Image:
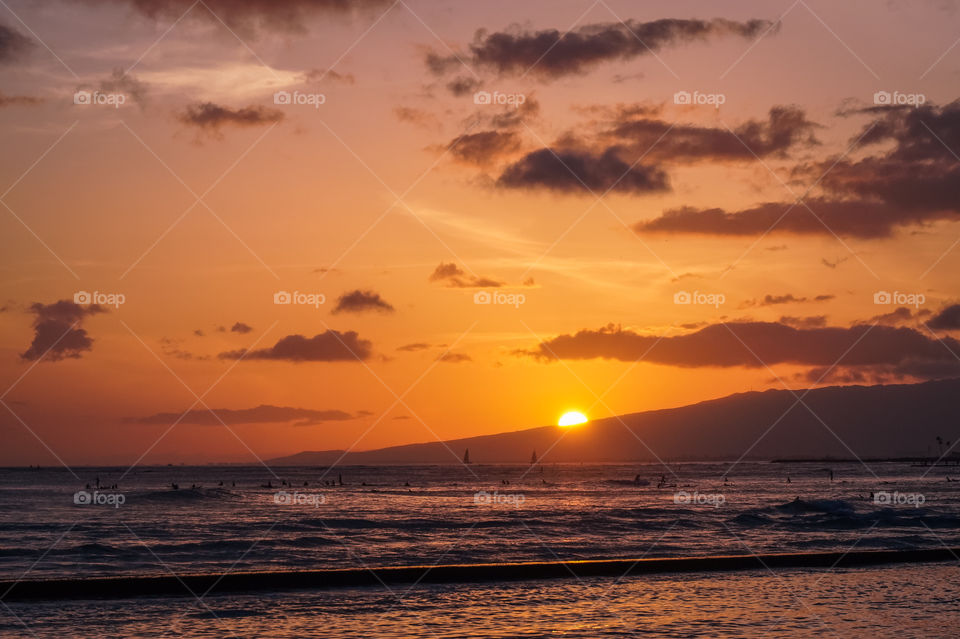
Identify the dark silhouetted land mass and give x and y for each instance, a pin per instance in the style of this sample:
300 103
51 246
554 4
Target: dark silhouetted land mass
833 423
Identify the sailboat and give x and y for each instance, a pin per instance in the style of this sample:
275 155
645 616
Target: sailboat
466 456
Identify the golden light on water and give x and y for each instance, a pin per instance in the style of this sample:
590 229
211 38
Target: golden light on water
572 419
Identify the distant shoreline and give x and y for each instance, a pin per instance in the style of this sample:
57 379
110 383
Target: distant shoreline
241 582
951 462
925 461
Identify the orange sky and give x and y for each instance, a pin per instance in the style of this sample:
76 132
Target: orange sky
364 194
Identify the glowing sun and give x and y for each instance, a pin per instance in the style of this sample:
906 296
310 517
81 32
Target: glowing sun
572 419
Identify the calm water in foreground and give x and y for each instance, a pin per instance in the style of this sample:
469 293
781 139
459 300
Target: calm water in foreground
896 601
430 515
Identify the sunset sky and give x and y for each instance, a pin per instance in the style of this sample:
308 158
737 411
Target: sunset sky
587 199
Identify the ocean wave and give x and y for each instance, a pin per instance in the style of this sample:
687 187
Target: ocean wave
188 495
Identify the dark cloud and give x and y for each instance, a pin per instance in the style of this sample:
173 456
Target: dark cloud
897 351
500 141
463 85
360 302
485 147
847 218
211 117
13 44
18 100
512 117
946 320
248 16
416 346
834 263
573 171
788 298
786 127
549 54
57 331
454 358
263 414
453 276
916 181
329 346
241 328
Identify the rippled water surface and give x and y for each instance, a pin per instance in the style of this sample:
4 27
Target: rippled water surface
234 518
897 601
426 515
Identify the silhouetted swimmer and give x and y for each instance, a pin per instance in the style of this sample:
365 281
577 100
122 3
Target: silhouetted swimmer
306 483
221 483
174 486
788 479
406 483
340 479
831 474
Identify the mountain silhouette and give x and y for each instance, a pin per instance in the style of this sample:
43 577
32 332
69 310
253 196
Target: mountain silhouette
843 422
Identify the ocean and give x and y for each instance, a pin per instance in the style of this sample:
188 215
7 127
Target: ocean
222 519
